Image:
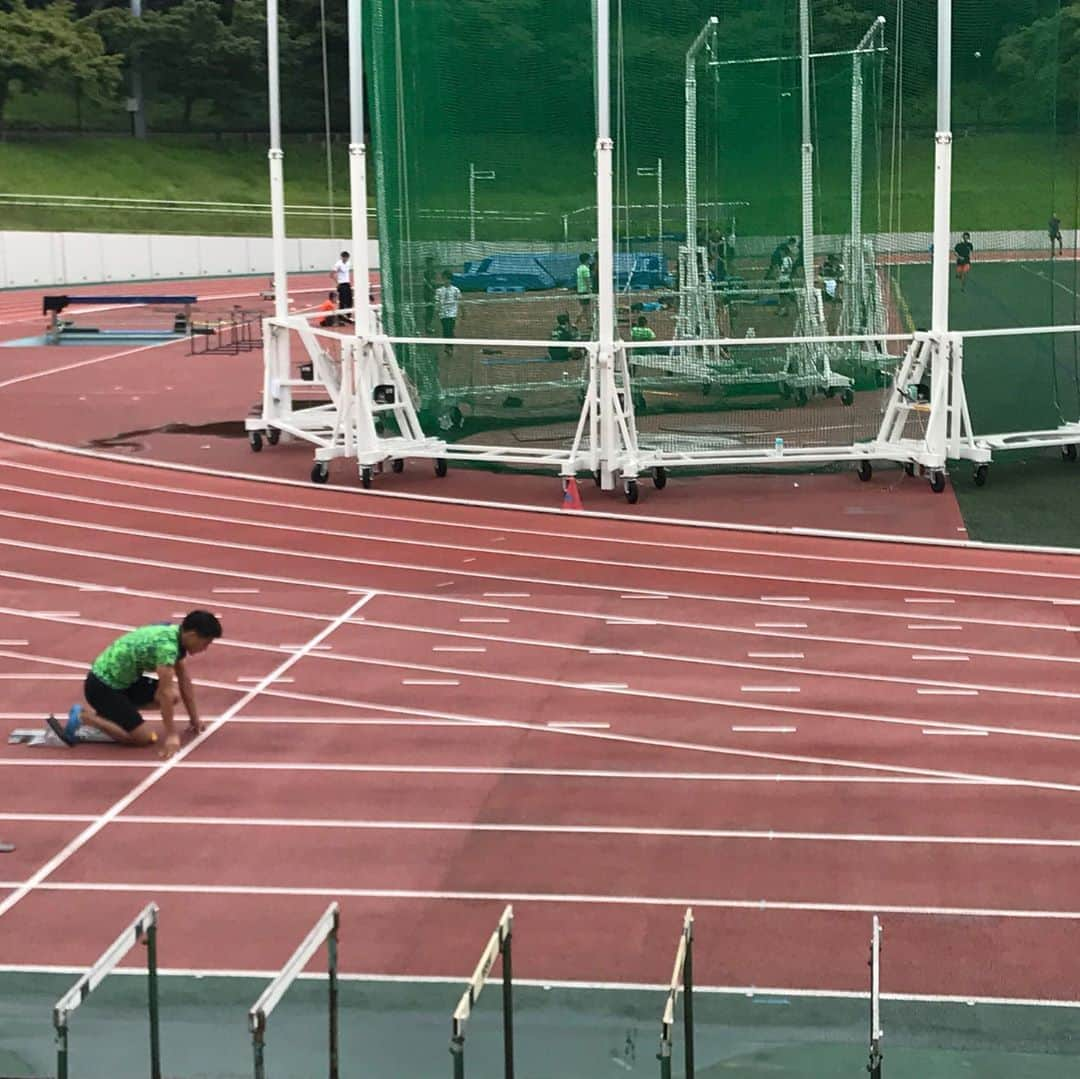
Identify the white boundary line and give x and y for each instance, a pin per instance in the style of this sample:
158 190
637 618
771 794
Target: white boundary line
81 363
582 899
939 651
167 766
815 533
800 603
750 991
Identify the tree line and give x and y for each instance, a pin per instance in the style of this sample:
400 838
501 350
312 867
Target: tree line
204 61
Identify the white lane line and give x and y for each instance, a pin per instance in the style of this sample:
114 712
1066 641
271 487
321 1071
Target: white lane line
919 599
301 767
74 366
939 657
579 724
780 625
947 692
455 648
309 583
597 685
956 732
507 595
383 517
674 902
430 682
54 614
486 621
769 689
765 730
165 767
34 676
921 626
786 599
14 644
775 655
444 584
468 560
629 622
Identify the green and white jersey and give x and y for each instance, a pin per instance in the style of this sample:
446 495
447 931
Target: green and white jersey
142 650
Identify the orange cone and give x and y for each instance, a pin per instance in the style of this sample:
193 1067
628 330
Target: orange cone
571 499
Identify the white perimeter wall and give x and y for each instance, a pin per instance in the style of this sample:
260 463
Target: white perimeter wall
29 259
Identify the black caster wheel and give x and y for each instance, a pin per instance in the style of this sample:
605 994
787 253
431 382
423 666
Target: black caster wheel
273 436
847 397
937 482
909 468
802 398
255 441
457 417
866 471
659 478
398 464
319 472
631 489
980 475
785 389
365 478
830 391
597 478
440 467
1068 453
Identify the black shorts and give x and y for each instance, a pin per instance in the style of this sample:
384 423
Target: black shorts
121 706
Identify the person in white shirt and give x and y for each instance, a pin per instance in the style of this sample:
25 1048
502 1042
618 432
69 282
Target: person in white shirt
341 275
447 298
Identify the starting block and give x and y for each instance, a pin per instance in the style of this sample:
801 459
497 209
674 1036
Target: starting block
43 736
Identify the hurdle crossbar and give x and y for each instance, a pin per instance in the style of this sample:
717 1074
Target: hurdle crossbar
326 929
682 978
498 944
142 929
56 304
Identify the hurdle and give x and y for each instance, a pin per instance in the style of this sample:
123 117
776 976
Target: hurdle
325 931
59 328
142 930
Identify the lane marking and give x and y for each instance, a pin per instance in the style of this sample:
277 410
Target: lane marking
785 599
596 685
630 622
75 366
164 768
956 734
769 689
584 587
382 518
529 556
511 896
13 644
947 692
765 730
582 724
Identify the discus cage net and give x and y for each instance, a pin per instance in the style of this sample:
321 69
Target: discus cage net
752 193
776 193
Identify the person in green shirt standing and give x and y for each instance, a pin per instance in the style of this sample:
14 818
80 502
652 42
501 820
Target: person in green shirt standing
142 669
583 278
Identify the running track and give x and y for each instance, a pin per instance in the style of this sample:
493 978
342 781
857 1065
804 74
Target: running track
426 711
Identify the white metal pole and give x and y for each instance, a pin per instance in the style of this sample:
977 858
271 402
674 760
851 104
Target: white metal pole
605 232
807 157
276 158
660 210
939 321
358 174
138 115
690 135
472 202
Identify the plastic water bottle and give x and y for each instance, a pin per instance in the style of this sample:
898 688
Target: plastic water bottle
779 444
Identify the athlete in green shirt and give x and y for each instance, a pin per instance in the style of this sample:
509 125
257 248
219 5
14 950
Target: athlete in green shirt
143 668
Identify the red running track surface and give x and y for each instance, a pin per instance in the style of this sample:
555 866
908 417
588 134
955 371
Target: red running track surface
427 711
